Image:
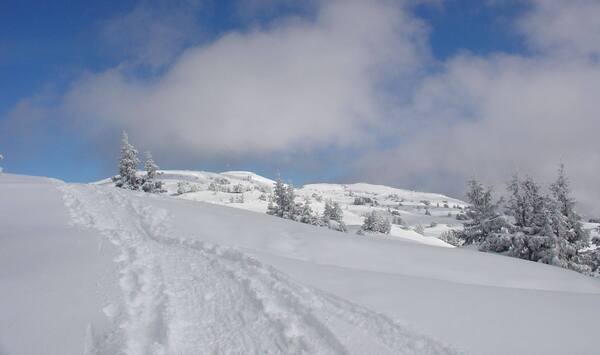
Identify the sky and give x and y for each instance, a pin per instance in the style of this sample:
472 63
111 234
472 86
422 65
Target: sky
420 94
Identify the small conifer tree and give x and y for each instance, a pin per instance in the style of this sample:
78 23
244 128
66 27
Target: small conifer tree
128 164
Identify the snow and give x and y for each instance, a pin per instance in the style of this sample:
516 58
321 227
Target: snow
54 280
248 175
94 269
165 280
412 210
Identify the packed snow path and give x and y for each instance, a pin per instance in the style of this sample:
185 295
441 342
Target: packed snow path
185 296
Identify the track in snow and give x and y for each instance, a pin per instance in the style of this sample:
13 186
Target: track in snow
184 296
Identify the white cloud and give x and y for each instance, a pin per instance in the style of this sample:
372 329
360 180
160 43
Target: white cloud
570 28
301 84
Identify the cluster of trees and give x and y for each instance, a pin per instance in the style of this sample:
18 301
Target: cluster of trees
375 222
362 200
282 204
529 224
128 177
184 187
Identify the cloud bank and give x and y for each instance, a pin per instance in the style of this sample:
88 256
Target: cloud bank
297 84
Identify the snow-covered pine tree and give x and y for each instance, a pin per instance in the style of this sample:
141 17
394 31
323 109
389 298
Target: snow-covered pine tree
591 258
149 182
307 215
528 207
283 201
333 213
547 245
547 229
128 164
375 222
571 237
484 221
515 205
534 204
150 166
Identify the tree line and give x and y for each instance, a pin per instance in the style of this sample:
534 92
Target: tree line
530 224
283 204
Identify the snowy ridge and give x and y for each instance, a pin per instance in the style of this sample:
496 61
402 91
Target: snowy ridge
185 296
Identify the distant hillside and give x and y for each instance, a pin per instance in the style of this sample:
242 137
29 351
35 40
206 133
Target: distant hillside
434 213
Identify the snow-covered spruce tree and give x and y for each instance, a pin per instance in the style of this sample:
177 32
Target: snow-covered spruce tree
149 182
535 238
333 216
128 164
550 246
484 221
591 258
528 207
183 187
282 203
307 215
151 167
526 203
571 237
546 229
375 222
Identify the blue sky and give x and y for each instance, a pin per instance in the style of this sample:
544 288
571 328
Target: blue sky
410 93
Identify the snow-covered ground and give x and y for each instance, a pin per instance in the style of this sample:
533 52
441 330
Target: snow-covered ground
435 213
96 270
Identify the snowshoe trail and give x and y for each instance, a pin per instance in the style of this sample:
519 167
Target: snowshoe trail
185 296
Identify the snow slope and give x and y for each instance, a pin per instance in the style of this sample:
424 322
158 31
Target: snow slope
186 296
147 274
54 280
410 206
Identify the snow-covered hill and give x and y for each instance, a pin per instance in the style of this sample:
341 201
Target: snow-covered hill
434 213
98 270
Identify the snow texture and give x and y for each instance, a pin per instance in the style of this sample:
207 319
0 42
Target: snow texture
185 296
99 270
